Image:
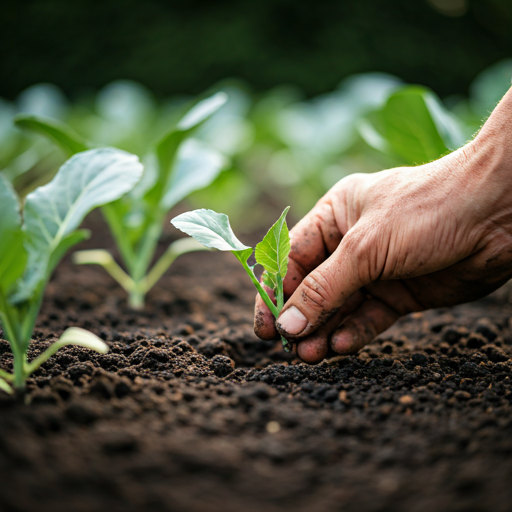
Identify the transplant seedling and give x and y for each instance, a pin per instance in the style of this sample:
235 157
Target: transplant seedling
32 244
177 166
212 229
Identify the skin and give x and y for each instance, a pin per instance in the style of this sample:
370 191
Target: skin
383 245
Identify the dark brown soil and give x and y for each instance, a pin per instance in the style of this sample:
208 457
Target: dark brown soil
190 412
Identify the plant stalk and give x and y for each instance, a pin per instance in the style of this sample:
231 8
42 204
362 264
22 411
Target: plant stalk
261 290
136 299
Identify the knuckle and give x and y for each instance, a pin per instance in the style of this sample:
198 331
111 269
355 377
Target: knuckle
367 252
316 292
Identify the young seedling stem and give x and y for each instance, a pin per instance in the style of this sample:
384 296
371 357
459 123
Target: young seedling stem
213 230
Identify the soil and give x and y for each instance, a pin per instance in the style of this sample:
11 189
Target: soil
189 411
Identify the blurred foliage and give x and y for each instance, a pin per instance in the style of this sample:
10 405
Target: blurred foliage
284 149
186 45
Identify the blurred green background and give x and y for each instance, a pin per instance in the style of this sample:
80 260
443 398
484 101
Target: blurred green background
184 46
317 90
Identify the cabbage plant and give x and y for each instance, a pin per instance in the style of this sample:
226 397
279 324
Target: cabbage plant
177 166
33 240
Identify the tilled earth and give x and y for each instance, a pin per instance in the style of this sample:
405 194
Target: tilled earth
190 412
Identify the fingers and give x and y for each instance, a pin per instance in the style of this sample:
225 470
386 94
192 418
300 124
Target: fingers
327 287
264 321
312 240
314 348
362 326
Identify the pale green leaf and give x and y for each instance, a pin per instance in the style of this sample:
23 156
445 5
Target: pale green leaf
196 167
4 386
490 86
210 228
13 256
82 338
54 212
413 126
167 148
70 142
202 111
272 252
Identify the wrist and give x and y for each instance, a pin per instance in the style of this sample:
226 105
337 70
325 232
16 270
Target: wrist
487 167
492 145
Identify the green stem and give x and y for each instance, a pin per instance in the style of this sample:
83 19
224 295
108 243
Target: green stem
177 248
147 249
6 375
19 361
136 299
261 290
279 293
105 259
13 334
118 231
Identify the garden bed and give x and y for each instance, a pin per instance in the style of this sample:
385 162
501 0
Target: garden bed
189 411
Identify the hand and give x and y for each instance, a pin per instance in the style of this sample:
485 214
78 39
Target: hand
379 246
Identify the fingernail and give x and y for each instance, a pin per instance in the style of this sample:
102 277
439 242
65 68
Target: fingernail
292 321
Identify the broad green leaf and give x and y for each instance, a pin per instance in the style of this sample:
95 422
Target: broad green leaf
272 252
13 256
54 212
196 167
210 228
58 132
167 148
4 386
202 111
413 126
447 124
409 127
490 86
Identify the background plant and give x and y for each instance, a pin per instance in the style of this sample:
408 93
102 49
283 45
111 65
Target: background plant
176 166
33 243
282 147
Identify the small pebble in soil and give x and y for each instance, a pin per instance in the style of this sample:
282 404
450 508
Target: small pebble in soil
273 427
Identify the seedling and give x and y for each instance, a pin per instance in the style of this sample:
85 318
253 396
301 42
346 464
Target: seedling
212 229
176 167
32 245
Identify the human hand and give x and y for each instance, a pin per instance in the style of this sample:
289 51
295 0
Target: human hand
379 246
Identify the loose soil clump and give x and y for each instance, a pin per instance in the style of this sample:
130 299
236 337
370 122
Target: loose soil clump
189 411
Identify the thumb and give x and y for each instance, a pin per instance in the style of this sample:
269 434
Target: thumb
326 288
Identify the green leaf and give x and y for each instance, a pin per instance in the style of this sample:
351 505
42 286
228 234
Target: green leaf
13 256
272 252
4 386
58 132
196 167
210 228
54 212
167 148
490 86
413 126
202 111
